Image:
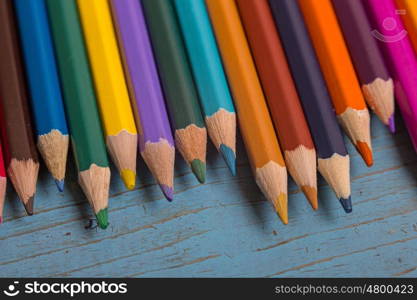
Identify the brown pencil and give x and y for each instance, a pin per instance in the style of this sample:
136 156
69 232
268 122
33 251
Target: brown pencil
281 94
21 158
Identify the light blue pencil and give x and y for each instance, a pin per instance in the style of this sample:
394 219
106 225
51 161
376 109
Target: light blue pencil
46 98
209 75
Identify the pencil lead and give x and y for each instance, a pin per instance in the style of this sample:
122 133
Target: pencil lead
311 195
167 191
229 157
347 204
365 152
391 123
199 169
129 178
281 207
60 185
29 205
102 218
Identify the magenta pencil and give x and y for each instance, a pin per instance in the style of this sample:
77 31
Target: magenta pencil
396 45
156 143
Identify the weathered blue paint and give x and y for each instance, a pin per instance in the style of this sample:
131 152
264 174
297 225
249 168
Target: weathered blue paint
224 227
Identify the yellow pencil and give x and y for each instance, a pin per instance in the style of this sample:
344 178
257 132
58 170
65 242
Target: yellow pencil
112 94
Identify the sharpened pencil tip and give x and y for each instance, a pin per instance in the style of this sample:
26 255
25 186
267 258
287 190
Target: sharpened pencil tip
281 207
199 169
102 218
167 191
60 185
391 124
229 157
346 204
311 195
29 206
129 178
365 152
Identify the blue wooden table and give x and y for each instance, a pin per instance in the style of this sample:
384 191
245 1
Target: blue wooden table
224 227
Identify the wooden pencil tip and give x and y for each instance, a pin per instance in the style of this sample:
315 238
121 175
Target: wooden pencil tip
346 204
123 150
129 178
191 142
311 195
102 218
95 183
167 191
53 147
229 157
60 185
281 207
29 205
24 174
365 152
199 169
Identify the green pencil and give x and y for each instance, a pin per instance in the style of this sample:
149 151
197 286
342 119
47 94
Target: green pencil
80 103
177 82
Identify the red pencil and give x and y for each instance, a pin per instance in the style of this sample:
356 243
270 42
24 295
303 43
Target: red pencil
3 181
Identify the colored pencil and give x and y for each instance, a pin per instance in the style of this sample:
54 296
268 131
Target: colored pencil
177 82
281 95
215 98
80 103
47 106
377 84
408 12
333 159
112 93
255 123
339 73
3 183
21 157
402 59
156 143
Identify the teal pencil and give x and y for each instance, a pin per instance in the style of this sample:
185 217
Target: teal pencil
215 98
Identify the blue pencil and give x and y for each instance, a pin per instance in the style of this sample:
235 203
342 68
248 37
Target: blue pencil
210 78
46 98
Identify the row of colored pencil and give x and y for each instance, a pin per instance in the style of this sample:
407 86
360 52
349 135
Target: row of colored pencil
122 73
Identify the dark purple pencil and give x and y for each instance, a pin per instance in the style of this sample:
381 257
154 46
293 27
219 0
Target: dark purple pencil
377 85
156 143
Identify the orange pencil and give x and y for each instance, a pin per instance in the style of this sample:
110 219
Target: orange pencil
255 123
409 17
339 73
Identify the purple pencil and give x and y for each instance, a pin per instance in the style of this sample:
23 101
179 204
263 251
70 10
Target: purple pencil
156 143
394 41
377 85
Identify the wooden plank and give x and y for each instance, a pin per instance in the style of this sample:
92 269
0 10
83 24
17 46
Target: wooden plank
224 227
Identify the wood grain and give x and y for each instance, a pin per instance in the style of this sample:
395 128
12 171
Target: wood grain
225 227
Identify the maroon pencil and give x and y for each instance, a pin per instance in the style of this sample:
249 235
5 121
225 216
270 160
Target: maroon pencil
377 85
21 159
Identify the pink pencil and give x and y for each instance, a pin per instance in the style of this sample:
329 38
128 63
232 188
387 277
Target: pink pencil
394 41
